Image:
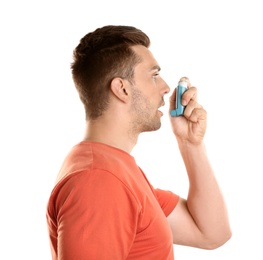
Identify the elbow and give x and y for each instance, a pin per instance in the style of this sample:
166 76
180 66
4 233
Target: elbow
218 241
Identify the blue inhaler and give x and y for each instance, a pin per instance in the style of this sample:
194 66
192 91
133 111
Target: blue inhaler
179 108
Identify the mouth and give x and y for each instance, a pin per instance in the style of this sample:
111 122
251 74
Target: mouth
160 110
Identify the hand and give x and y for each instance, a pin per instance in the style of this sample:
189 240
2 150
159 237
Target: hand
190 127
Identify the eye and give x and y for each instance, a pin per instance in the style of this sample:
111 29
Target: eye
155 75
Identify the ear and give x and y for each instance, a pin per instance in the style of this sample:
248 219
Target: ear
119 89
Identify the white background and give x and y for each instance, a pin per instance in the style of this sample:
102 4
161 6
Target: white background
217 44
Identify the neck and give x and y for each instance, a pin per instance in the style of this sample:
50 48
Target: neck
110 132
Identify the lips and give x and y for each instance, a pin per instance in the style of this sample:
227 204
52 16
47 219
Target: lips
162 105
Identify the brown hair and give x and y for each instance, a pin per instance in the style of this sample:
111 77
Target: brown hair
101 56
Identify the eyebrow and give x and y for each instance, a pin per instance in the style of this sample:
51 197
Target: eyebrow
156 67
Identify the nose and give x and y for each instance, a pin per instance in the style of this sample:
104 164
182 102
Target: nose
165 89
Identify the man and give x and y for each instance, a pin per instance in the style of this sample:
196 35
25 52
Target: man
103 206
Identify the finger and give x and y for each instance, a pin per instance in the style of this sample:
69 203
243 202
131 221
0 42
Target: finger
172 100
190 94
197 115
192 105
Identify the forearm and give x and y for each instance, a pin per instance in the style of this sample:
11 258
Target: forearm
205 201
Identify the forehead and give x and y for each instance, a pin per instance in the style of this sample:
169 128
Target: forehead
148 61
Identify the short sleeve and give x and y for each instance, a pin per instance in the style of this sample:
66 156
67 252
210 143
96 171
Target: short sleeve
167 200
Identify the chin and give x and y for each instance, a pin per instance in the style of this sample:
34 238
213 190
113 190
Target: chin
153 127
156 124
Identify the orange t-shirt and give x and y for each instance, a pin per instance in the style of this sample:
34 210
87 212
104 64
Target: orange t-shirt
103 207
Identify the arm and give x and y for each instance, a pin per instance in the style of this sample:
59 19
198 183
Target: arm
202 219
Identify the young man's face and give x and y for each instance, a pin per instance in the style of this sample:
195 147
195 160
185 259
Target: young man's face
147 92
